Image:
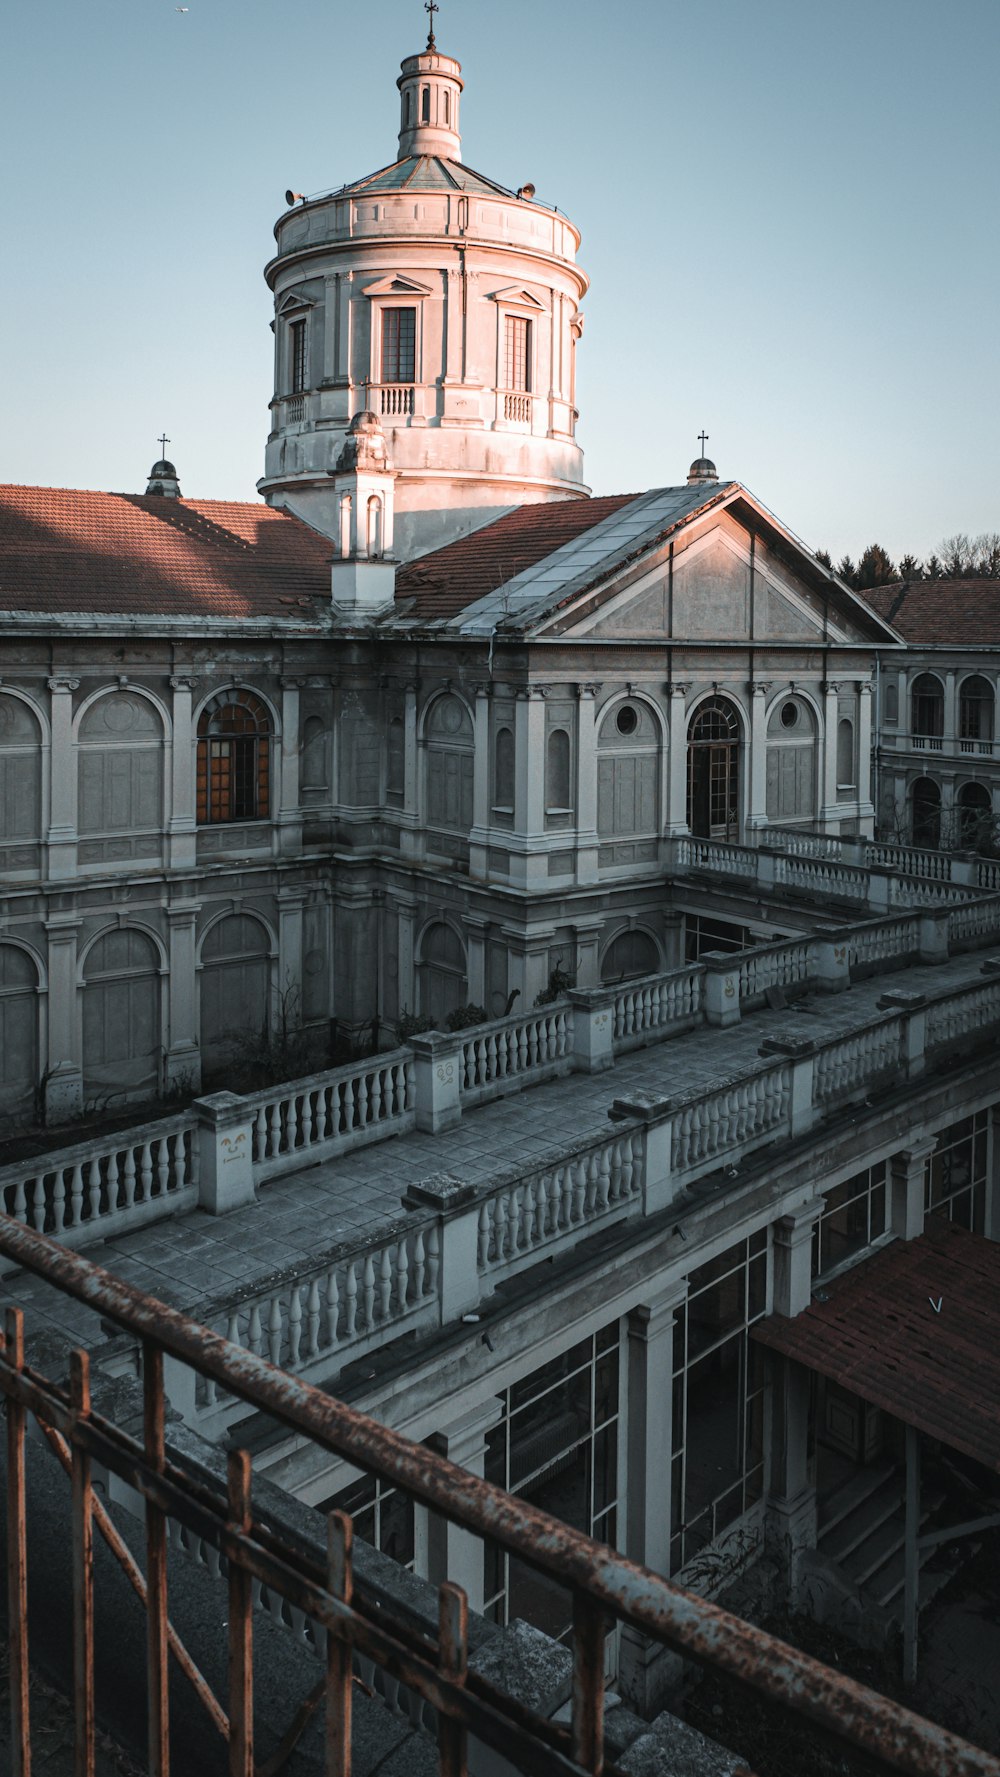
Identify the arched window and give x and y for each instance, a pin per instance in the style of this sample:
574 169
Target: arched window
927 707
425 104
975 816
441 973
846 779
791 760
374 541
628 757
121 773
20 772
235 987
345 525
446 96
629 956
975 713
18 1034
503 774
925 813
713 770
558 791
450 754
892 702
234 759
122 1038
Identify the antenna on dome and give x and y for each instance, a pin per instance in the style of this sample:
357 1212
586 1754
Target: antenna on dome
431 7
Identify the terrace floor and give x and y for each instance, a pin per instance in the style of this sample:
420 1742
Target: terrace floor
194 1261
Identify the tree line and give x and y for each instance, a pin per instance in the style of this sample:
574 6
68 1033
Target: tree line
956 558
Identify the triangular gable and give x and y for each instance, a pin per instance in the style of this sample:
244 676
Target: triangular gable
395 285
718 590
295 299
515 296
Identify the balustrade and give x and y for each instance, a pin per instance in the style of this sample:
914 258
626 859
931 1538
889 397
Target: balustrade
331 1112
492 1053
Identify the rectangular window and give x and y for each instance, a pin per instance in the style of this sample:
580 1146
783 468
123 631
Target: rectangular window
853 1216
399 345
517 354
956 1174
298 333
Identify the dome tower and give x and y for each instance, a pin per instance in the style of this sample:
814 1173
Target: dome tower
446 304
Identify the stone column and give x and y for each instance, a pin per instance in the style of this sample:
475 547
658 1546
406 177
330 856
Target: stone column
907 1172
677 820
587 840
63 1075
646 1666
183 827
757 818
479 838
831 716
528 863
449 1552
61 840
866 807
791 1500
289 811
182 1063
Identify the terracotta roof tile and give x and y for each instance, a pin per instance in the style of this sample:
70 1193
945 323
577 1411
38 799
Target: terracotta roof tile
941 612
70 550
444 583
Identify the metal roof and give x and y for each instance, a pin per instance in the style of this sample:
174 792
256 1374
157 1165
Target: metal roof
913 1329
427 172
598 550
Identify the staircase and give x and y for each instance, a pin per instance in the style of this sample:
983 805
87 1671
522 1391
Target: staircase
862 1530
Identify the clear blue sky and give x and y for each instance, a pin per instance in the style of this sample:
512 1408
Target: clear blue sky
789 212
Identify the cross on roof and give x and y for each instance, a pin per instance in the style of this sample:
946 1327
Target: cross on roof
703 440
431 7
163 441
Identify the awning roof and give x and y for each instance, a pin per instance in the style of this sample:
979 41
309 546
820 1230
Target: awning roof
880 1335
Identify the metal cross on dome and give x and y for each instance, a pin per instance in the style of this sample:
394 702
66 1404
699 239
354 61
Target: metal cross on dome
431 7
163 441
703 440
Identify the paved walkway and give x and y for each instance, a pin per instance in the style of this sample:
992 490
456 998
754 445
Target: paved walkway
196 1259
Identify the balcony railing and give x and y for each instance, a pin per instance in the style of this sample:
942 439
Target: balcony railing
395 399
349 1625
517 406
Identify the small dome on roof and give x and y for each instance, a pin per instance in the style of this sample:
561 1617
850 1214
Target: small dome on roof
702 469
163 467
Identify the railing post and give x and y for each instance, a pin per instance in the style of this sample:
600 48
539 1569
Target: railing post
913 1006
654 1114
225 1143
768 863
964 868
722 988
437 1077
879 895
832 953
801 1051
458 1240
934 935
593 1029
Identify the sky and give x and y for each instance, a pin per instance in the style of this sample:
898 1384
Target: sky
788 209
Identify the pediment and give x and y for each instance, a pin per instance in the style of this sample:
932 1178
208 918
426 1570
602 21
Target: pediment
714 594
397 285
295 299
515 296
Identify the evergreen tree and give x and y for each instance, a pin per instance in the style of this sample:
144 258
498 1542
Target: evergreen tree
847 570
823 555
874 568
910 568
934 570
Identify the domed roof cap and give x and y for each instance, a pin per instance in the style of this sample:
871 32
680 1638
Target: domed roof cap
702 469
163 467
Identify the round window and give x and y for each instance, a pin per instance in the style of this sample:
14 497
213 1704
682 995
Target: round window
789 715
627 719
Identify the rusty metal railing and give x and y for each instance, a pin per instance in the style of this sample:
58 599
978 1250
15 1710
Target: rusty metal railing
604 1585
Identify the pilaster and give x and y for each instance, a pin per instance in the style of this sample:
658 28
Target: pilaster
61 839
829 812
586 783
757 817
866 807
289 811
411 843
479 838
291 905
182 832
677 818
529 863
63 1074
907 1172
182 1063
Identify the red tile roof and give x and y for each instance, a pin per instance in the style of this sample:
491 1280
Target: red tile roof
914 1329
941 612
444 583
67 550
